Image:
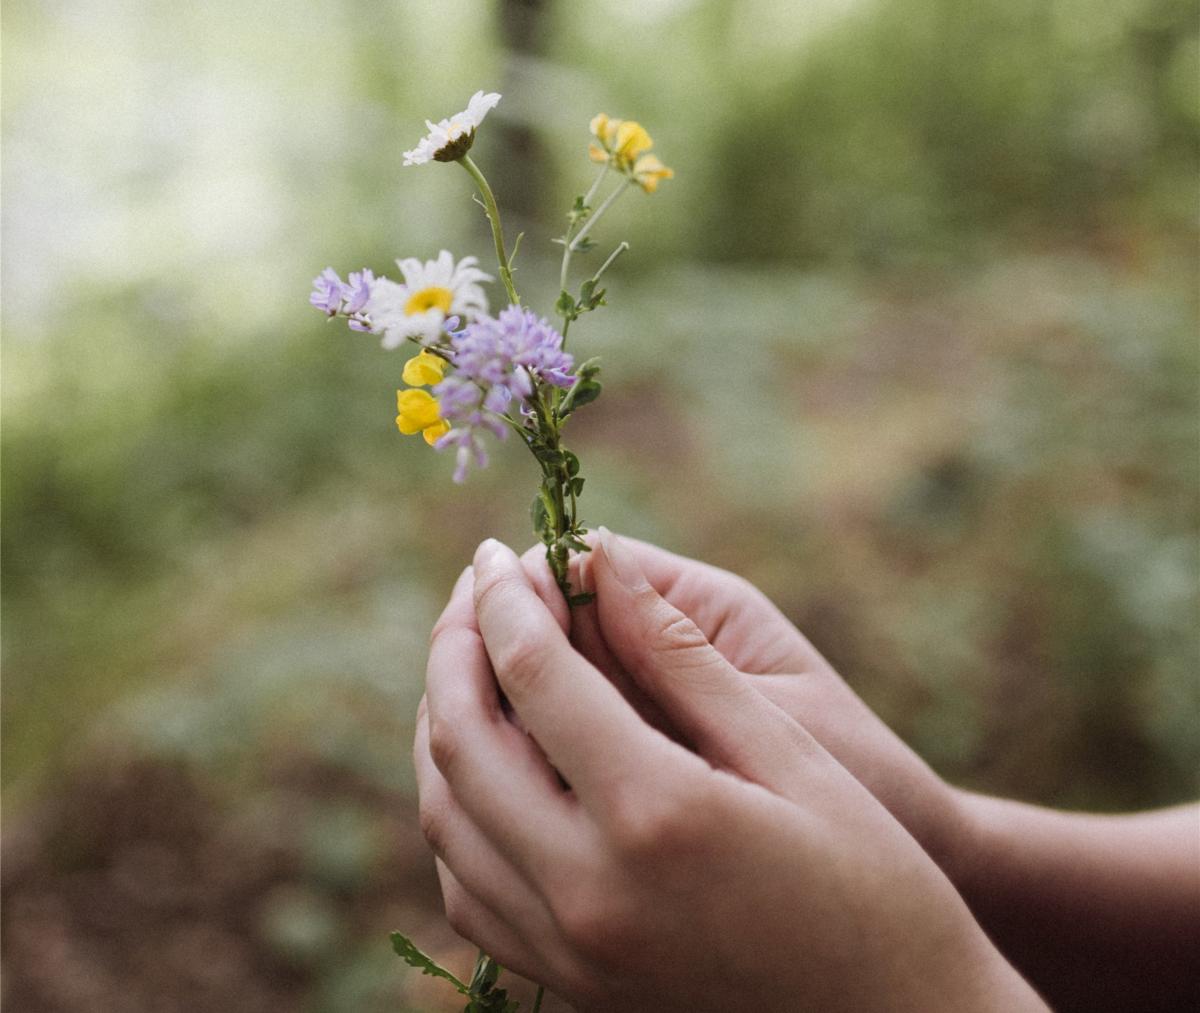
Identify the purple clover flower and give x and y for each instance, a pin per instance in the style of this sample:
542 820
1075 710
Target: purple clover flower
358 291
328 292
332 296
496 360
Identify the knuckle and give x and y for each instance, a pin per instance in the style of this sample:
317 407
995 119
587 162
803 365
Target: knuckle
444 745
648 830
677 633
520 659
432 819
491 590
459 911
594 923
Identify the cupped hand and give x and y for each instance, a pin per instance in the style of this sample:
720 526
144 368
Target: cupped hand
625 871
622 634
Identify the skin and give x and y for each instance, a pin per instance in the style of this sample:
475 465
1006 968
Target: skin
1098 912
650 831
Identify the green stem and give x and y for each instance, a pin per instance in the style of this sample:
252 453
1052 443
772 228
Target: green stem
609 263
554 500
493 213
537 999
567 250
611 199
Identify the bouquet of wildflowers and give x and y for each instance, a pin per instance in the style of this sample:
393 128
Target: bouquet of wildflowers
476 376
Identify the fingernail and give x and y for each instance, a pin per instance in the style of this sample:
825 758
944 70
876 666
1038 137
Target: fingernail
488 552
623 564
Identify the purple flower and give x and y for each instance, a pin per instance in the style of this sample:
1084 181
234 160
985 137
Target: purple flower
496 360
332 296
358 291
328 292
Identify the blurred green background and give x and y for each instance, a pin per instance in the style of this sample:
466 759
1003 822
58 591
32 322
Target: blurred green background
910 341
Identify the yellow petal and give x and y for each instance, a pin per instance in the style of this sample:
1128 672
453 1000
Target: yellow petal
435 432
598 125
425 369
648 171
597 153
631 141
418 410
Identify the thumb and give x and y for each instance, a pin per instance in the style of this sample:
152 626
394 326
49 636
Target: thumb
715 706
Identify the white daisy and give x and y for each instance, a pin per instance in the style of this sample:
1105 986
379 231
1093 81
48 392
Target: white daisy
432 291
450 139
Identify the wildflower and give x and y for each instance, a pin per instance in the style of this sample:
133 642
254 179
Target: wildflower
496 361
430 293
621 141
358 291
424 370
419 413
332 296
648 171
328 292
449 140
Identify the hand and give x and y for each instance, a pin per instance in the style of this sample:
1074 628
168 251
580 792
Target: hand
757 874
756 639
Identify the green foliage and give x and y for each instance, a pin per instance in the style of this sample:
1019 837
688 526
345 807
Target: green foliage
481 993
407 950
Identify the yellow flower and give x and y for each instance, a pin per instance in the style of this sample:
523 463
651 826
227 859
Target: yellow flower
631 141
424 370
420 413
648 170
604 129
434 433
624 143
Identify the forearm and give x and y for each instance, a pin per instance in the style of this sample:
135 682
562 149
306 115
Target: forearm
1098 912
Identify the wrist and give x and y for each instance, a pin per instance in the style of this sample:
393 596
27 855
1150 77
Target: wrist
961 848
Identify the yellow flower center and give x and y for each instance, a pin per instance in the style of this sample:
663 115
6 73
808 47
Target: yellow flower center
433 297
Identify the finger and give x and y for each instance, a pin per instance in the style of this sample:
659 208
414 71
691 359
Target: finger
495 772
576 715
457 842
472 920
541 577
738 619
581 625
588 640
712 703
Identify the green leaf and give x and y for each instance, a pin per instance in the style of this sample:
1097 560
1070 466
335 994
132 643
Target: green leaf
409 953
579 211
572 463
485 975
547 455
565 307
589 368
577 485
586 391
589 298
585 244
581 599
537 514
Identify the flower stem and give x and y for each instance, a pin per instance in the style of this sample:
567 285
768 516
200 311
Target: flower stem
611 199
567 248
493 213
611 257
537 999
